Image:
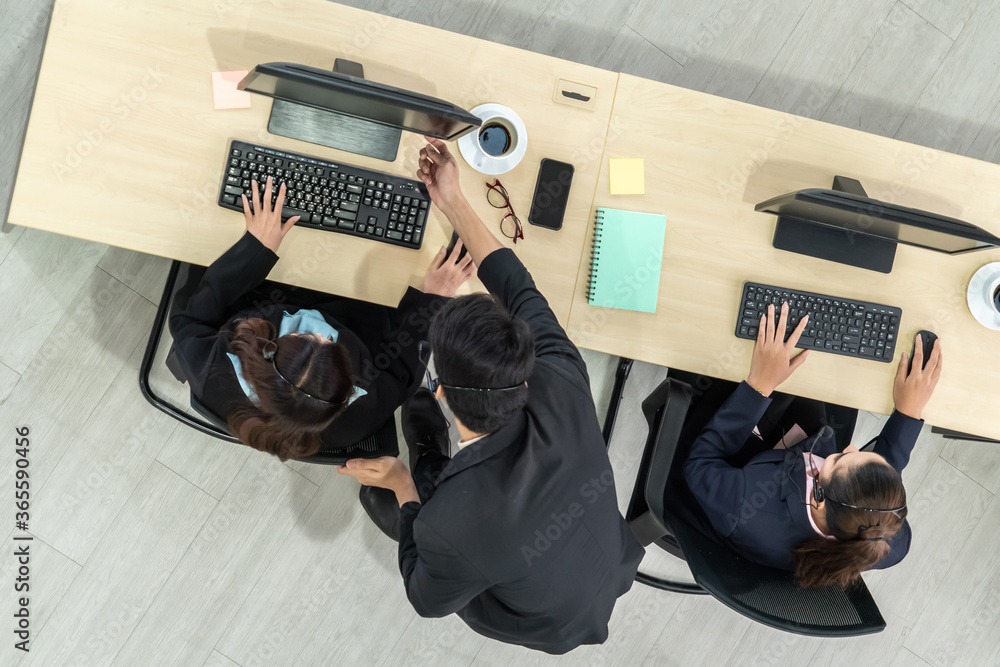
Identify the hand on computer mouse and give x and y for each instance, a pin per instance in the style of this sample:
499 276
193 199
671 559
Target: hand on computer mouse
912 390
772 360
439 172
448 272
264 221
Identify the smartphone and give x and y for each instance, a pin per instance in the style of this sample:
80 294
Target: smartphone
551 194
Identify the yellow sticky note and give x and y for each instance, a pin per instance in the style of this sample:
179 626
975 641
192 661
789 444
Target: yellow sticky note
225 93
628 176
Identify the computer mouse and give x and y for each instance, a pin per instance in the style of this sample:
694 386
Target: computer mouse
928 338
451 246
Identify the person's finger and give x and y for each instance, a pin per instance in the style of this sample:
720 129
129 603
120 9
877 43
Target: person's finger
344 470
782 323
439 258
918 355
435 154
934 362
289 224
793 340
457 251
438 145
901 369
246 209
256 196
762 329
426 178
466 261
798 359
268 191
280 201
769 335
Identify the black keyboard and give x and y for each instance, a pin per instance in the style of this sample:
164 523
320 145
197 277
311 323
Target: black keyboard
841 326
330 196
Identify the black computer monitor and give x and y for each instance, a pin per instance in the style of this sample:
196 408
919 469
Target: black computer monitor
342 109
845 225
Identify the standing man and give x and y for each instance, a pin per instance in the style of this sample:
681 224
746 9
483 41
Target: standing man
519 533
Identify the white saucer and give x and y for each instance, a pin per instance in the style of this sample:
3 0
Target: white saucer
467 145
980 296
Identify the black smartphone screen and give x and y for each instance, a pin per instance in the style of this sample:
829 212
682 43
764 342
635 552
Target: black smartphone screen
551 194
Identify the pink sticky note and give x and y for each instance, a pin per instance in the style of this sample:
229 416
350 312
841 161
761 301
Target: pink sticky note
225 93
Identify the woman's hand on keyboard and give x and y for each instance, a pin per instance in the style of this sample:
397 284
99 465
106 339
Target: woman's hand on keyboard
772 361
264 220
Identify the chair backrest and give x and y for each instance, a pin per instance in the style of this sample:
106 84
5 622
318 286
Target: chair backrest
766 595
383 442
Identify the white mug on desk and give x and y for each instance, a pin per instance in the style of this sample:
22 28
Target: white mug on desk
500 142
497 138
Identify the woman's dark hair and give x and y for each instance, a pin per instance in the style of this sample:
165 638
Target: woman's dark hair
477 343
862 536
287 422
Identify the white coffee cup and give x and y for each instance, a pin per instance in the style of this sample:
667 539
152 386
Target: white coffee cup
496 139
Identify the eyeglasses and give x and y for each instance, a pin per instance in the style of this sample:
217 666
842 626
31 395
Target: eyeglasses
510 225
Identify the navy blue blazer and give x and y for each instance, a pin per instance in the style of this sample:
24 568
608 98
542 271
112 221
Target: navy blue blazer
760 510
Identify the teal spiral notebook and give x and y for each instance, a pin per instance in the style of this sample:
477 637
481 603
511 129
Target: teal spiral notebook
625 263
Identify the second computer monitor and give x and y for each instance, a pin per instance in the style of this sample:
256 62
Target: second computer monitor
845 225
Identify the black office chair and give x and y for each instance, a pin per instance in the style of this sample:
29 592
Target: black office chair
763 594
381 443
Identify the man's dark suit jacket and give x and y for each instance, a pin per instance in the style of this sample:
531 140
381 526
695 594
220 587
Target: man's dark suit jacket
384 359
522 537
760 509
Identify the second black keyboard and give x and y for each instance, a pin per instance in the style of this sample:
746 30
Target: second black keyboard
842 326
328 195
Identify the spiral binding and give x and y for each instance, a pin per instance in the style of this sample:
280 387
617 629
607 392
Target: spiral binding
595 254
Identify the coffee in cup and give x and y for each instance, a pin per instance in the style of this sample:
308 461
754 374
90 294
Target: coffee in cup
494 138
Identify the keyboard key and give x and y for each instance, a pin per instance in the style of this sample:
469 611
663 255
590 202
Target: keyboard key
346 215
346 224
396 236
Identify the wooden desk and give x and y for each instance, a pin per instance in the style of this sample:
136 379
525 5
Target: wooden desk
708 162
123 145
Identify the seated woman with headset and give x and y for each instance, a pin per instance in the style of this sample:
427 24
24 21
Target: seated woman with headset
291 380
803 506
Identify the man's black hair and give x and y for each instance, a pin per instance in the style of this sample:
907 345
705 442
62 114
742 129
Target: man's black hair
477 343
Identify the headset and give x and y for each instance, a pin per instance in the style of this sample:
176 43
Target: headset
819 495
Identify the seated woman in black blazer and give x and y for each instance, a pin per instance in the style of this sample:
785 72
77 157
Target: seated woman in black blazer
802 505
293 370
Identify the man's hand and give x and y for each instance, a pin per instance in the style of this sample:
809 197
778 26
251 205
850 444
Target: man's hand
447 272
772 361
910 392
386 472
264 222
439 172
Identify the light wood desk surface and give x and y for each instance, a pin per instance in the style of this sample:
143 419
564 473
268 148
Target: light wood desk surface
708 162
123 145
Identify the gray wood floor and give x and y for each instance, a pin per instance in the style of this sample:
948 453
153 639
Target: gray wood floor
155 545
